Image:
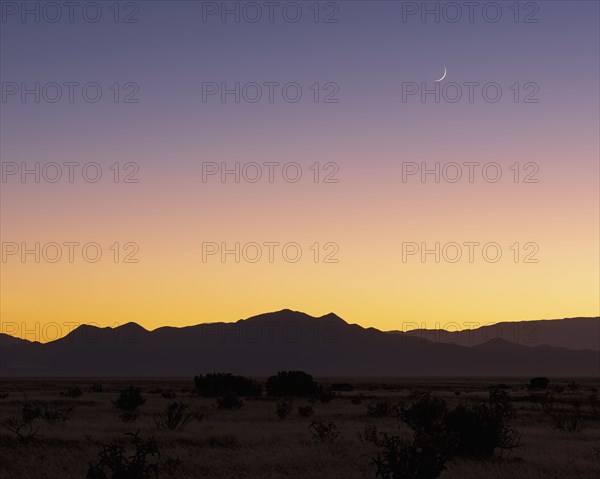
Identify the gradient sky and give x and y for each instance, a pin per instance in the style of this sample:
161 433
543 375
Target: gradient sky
369 53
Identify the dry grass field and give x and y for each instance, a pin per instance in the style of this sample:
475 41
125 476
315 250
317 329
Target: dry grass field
253 442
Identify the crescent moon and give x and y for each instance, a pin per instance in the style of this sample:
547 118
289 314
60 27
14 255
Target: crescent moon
443 76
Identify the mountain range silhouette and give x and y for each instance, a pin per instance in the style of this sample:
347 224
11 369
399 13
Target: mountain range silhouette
322 346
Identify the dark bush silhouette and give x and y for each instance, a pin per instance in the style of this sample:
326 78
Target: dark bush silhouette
397 460
563 418
480 429
369 434
324 432
175 417
114 462
218 384
324 395
382 409
539 383
97 388
474 430
24 425
283 409
168 393
229 401
55 415
71 392
291 383
425 416
431 448
305 411
128 401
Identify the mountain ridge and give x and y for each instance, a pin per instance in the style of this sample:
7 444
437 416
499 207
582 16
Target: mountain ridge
262 344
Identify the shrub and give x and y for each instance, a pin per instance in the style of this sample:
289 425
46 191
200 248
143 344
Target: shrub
218 384
324 395
425 416
114 462
481 428
283 409
563 419
55 415
291 383
382 409
168 393
324 432
24 424
71 392
474 430
305 411
97 388
539 383
397 460
128 401
229 401
431 448
369 434
175 417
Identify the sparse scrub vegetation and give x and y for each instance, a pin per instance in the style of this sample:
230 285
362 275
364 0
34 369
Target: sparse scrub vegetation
24 424
562 417
116 463
71 392
128 402
175 417
447 432
305 411
398 460
482 428
324 432
168 394
283 409
55 415
439 434
382 409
